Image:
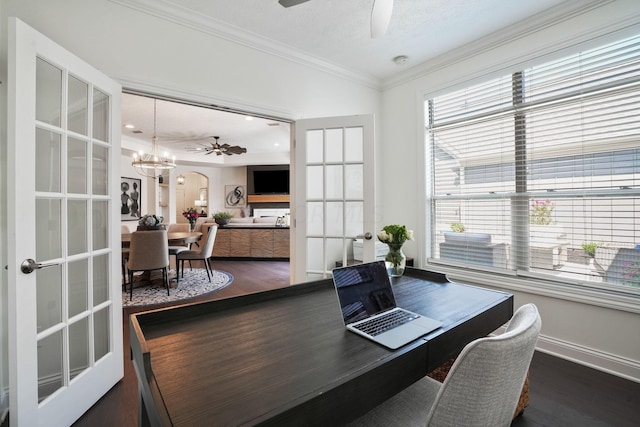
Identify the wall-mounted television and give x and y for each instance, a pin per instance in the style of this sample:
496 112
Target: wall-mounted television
271 182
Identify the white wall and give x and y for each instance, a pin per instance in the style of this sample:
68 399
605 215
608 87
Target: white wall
596 330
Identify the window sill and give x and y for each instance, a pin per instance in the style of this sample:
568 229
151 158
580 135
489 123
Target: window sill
618 300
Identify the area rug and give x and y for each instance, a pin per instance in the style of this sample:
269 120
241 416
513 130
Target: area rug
194 283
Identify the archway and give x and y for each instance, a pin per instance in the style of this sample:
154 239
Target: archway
191 192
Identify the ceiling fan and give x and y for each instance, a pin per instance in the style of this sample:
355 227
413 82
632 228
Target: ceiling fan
380 14
219 149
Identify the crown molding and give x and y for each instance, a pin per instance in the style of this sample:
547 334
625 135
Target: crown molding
166 10
549 18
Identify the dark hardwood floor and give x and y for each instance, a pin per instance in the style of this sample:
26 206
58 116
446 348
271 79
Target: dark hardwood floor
561 393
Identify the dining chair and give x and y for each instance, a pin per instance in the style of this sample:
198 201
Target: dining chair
125 257
176 249
203 253
148 251
481 389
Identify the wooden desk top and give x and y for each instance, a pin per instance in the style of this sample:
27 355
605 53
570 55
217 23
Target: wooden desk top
283 357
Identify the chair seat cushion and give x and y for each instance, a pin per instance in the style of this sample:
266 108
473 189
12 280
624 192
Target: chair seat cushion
439 374
410 407
174 250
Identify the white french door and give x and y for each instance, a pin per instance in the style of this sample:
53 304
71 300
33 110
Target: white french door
334 192
65 316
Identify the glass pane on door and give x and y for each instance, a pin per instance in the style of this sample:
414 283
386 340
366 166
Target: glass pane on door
72 200
334 193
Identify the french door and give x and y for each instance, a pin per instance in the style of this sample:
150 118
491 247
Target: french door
65 316
334 193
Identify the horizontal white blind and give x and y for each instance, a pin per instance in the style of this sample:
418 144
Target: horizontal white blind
540 166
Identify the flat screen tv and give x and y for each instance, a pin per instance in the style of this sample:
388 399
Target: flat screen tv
271 181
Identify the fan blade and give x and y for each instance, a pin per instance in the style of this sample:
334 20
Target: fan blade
380 17
235 150
289 3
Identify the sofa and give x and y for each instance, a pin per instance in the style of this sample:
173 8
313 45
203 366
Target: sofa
474 248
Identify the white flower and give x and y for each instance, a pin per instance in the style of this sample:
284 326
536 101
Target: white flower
383 236
409 234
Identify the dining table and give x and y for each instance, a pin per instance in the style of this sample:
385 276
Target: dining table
175 238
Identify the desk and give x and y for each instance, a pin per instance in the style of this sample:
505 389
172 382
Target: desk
175 238
283 357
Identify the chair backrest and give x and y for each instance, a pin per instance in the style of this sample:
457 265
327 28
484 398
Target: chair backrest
178 228
209 232
484 384
124 229
199 222
148 250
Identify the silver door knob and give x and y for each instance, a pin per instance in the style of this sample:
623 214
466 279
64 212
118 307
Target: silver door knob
28 265
366 236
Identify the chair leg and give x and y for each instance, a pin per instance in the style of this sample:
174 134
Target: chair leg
165 278
130 285
206 267
177 270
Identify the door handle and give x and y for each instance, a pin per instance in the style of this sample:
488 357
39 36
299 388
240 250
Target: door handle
366 236
28 265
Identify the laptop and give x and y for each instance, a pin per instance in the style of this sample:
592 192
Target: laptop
369 307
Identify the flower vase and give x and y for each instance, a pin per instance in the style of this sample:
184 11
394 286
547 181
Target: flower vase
192 225
395 261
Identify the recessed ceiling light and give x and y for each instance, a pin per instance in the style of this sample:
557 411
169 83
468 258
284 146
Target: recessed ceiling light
248 118
129 126
276 144
400 59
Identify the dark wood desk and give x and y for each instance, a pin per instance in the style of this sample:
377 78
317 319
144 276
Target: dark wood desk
283 357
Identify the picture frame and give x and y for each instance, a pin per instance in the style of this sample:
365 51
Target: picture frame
235 196
130 198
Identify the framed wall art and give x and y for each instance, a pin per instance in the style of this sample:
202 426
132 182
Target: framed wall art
235 196
131 189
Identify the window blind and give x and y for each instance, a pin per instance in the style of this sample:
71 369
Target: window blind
541 169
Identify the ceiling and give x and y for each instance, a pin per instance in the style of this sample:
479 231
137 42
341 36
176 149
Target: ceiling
328 33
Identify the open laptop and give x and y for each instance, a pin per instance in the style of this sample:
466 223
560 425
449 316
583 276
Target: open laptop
367 302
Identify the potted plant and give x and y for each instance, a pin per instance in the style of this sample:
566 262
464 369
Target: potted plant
590 248
457 227
222 218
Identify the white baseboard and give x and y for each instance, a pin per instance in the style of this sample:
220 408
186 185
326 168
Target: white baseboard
609 363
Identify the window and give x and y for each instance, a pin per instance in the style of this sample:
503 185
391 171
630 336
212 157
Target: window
538 173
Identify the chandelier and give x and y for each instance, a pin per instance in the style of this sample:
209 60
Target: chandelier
150 164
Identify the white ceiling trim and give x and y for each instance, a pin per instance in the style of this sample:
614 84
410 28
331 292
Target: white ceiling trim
545 19
188 18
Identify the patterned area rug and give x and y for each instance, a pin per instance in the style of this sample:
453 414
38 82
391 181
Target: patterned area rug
194 283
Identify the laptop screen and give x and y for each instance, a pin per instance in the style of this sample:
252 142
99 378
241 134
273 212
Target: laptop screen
363 290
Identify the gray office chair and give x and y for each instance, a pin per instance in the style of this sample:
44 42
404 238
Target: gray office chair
148 251
203 253
481 389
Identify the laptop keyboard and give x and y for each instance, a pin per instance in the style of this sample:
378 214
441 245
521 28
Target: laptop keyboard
383 323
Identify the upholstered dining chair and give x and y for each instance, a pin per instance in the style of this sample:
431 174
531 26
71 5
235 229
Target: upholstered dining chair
148 251
203 253
176 249
125 257
481 389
